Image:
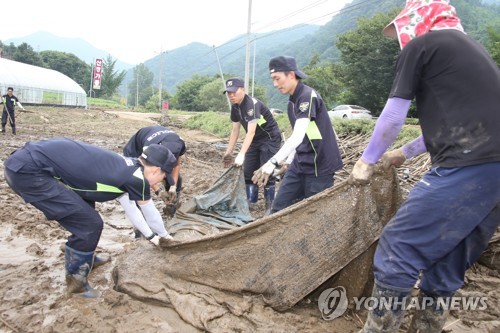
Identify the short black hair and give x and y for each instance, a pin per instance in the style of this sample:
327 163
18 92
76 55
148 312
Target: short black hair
10 88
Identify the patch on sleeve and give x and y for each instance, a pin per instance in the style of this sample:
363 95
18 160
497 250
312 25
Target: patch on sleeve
304 106
250 112
128 160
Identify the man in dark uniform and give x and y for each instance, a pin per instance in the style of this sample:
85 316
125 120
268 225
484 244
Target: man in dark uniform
262 139
10 101
64 178
145 137
311 151
451 214
157 134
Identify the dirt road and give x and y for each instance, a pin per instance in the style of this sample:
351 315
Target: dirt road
32 284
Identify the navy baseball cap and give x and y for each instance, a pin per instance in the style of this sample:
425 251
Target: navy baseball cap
162 157
285 64
234 84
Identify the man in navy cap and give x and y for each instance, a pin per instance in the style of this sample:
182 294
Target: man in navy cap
145 137
262 139
64 178
311 151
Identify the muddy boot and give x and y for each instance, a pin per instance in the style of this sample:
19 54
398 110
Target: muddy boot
431 319
78 267
252 194
99 261
137 234
269 197
14 130
386 319
3 129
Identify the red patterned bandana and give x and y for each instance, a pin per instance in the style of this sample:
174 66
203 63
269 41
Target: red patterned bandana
421 16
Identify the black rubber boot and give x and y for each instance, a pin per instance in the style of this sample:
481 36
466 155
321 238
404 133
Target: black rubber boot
252 194
3 129
269 192
98 261
14 130
78 266
384 319
137 234
431 319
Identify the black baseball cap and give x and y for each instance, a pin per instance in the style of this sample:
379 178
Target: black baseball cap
162 157
234 84
285 64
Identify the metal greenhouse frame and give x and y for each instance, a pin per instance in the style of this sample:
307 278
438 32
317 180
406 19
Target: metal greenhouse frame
42 86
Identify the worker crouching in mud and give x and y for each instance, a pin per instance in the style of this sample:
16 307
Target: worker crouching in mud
64 178
451 214
144 138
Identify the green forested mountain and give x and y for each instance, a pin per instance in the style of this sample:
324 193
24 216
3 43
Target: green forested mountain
304 42
196 58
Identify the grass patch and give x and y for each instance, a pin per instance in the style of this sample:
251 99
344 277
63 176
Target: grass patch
220 125
347 127
216 123
105 103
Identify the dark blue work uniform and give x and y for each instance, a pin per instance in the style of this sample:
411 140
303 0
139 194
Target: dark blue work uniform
451 214
156 134
267 139
316 158
9 103
64 178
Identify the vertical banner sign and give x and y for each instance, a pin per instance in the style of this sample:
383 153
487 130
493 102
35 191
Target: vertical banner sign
165 105
97 74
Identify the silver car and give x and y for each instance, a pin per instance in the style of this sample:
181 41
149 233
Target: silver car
350 112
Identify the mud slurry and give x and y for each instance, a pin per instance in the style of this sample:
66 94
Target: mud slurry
32 276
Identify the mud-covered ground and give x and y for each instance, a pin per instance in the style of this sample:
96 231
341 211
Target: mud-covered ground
32 285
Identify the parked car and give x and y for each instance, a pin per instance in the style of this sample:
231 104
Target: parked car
350 112
276 112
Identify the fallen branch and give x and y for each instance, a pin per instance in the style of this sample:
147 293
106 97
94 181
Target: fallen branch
8 325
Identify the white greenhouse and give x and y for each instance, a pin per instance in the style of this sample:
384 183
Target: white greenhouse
37 85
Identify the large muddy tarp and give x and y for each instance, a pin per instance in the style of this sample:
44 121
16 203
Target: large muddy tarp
275 261
223 206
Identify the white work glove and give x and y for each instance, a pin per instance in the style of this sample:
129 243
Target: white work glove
158 241
361 173
240 158
155 240
261 176
281 171
394 157
172 193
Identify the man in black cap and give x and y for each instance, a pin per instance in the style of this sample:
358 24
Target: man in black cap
64 178
162 135
311 151
10 101
262 139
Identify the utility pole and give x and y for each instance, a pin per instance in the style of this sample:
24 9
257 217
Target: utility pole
253 66
222 77
160 79
137 86
247 59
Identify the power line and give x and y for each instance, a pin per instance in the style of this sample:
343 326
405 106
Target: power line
345 9
292 14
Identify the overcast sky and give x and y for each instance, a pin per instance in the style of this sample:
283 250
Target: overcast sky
135 31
